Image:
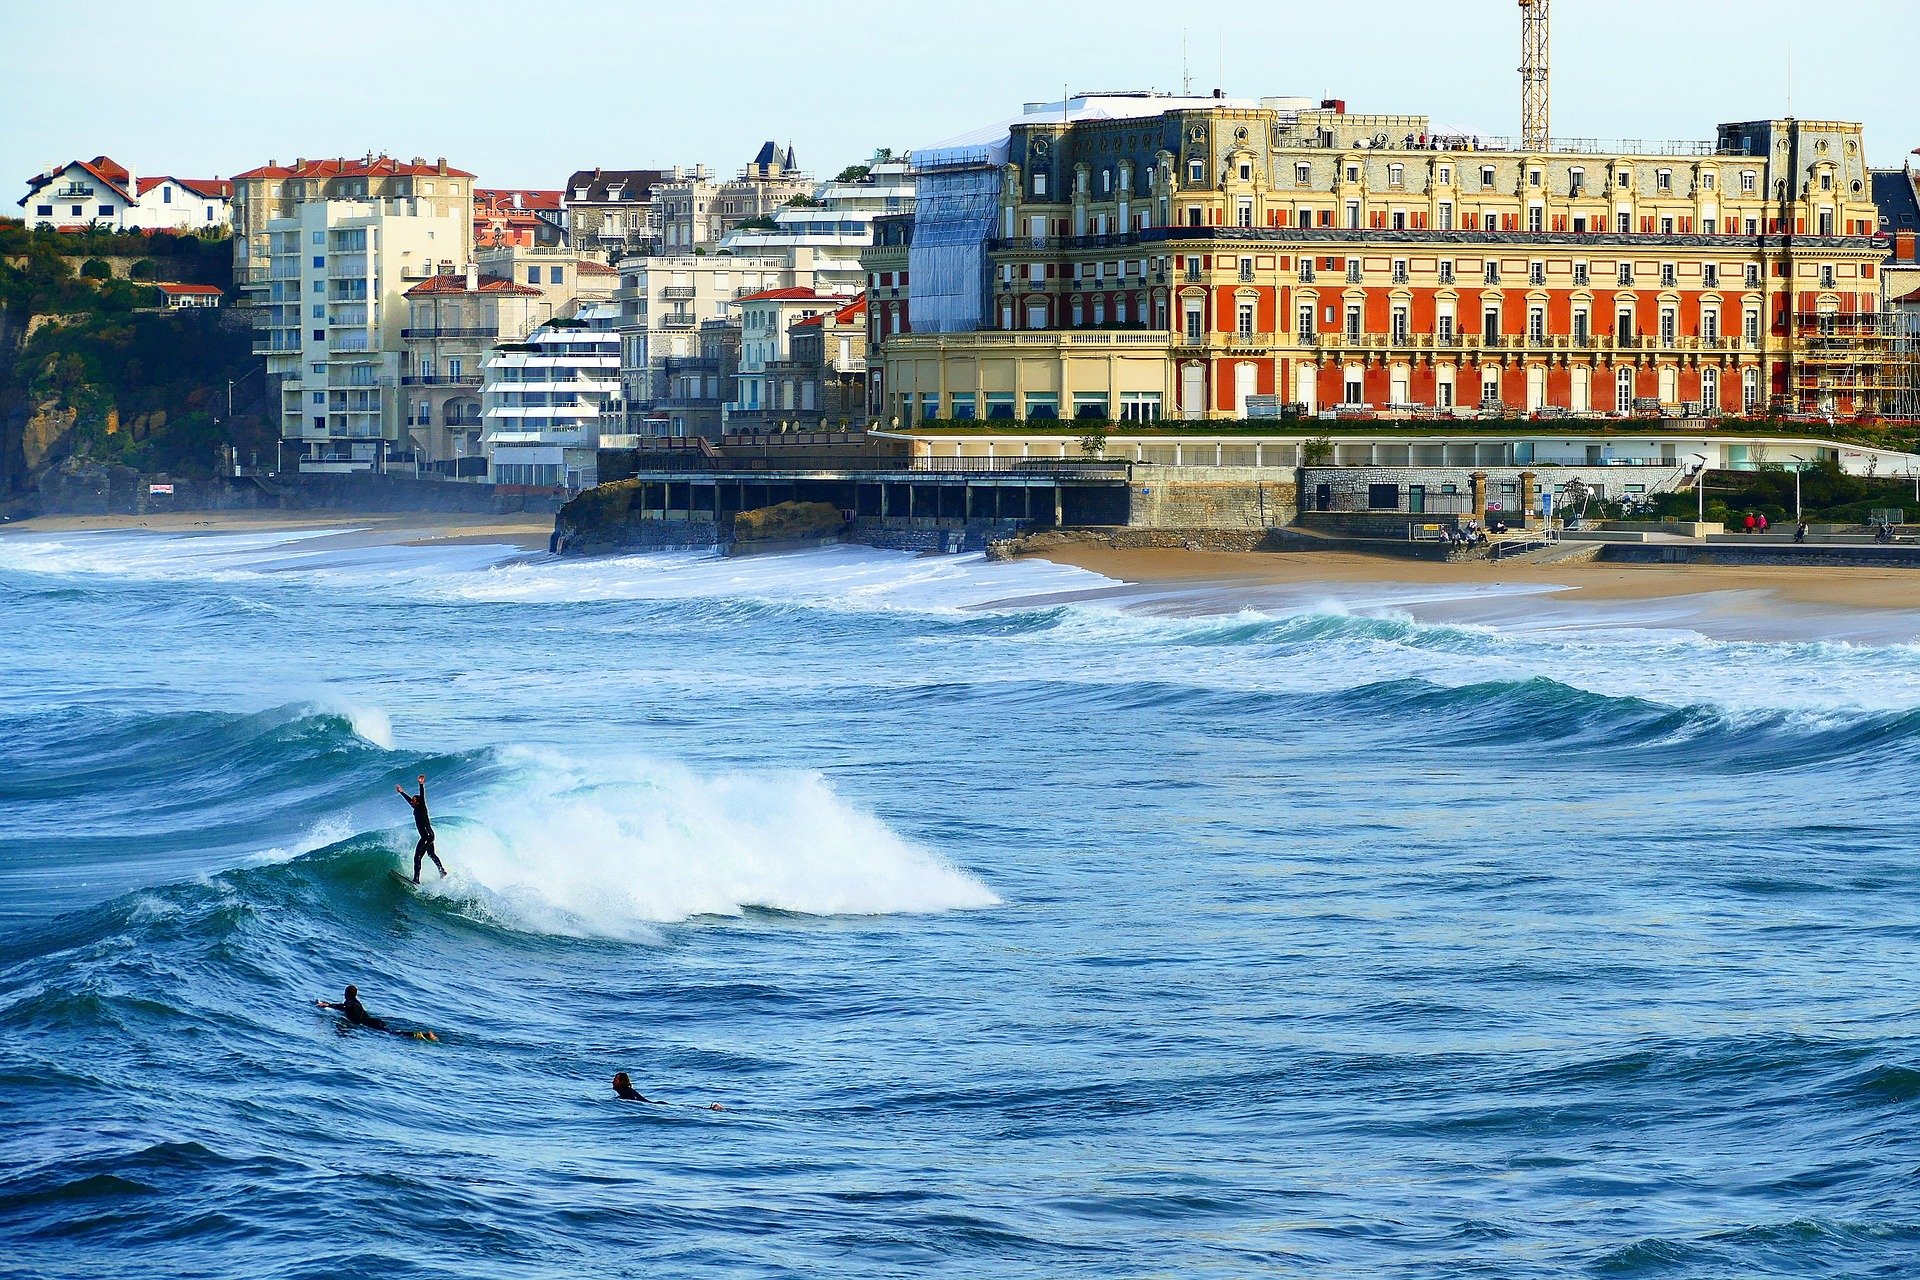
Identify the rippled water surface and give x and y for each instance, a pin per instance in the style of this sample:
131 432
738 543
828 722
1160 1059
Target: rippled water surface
1021 929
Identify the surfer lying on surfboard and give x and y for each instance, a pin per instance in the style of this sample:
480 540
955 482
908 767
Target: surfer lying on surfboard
424 849
624 1090
356 1013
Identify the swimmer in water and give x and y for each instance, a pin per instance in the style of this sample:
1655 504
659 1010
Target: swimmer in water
356 1014
624 1090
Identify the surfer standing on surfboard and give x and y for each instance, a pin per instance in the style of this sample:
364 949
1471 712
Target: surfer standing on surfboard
424 849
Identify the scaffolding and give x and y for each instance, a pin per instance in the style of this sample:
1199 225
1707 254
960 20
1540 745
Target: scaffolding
1857 364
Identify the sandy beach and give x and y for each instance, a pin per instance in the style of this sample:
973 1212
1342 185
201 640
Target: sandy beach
1863 588
412 528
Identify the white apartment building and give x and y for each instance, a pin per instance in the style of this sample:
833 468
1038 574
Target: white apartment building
333 317
542 401
835 228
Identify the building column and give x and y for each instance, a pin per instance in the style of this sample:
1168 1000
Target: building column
1479 501
1527 494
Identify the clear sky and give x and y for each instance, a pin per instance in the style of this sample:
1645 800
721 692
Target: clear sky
522 94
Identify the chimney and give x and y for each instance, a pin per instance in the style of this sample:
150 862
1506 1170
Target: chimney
516 201
1904 244
473 277
442 163
1336 105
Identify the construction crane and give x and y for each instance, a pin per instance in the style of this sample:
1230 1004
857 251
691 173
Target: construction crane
1535 88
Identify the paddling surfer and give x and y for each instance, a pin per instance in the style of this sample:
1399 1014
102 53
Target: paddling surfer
623 1089
356 1014
424 849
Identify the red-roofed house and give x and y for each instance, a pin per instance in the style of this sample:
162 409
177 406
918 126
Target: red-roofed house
824 377
101 192
532 219
183 297
767 319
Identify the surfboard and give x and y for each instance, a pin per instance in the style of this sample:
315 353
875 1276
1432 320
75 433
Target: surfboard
405 882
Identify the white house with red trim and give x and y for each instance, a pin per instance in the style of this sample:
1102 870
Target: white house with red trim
175 296
103 193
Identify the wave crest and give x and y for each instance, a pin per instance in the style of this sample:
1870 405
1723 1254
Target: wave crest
614 851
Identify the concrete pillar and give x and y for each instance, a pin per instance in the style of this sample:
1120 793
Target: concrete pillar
1479 503
1527 495
1059 506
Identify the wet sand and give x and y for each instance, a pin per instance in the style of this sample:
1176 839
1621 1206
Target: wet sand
1853 588
412 528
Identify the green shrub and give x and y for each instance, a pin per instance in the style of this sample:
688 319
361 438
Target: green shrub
95 269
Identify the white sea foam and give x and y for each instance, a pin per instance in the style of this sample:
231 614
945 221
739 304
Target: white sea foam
614 851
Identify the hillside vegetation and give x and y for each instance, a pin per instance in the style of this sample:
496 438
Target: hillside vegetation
92 370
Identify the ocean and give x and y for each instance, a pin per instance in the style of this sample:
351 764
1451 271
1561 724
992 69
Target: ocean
1023 924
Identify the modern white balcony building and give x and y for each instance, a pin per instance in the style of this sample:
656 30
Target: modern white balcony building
542 401
333 316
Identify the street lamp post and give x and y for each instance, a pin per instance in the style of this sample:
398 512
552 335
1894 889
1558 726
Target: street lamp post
1700 490
1796 484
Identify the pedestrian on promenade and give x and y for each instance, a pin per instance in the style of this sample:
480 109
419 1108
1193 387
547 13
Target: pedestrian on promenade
1763 522
1750 522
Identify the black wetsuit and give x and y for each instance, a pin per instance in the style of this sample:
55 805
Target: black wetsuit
357 1014
424 848
629 1093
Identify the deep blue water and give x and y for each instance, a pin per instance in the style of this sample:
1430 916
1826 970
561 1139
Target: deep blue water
1339 933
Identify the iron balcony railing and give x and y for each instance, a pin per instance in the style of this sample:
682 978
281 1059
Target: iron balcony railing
452 331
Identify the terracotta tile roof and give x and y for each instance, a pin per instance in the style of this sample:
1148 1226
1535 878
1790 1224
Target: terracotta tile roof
173 287
500 200
211 188
379 166
108 173
587 268
457 283
845 315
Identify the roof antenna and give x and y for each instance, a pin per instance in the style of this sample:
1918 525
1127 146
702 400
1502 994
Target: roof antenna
1789 80
1186 76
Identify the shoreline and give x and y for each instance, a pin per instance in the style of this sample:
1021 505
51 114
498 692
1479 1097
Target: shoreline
406 528
1867 589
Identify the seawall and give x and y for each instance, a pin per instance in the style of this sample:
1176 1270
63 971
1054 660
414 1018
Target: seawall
122 491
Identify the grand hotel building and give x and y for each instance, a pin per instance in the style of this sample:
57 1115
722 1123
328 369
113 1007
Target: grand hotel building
1136 256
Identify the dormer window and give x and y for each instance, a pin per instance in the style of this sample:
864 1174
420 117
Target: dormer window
1039 184
1353 173
1246 171
1663 179
1302 175
1196 171
1396 175
1486 177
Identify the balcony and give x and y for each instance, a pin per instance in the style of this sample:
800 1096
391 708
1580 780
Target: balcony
452 331
677 322
679 293
442 380
278 342
74 191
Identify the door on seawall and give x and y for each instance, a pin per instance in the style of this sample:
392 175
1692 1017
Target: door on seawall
1416 499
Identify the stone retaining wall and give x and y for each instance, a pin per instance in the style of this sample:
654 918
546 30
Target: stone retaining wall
1212 497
